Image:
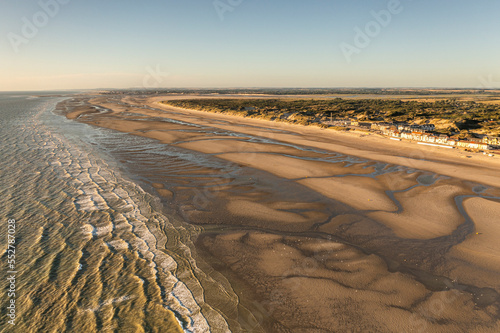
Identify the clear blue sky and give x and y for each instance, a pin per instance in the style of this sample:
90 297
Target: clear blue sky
259 43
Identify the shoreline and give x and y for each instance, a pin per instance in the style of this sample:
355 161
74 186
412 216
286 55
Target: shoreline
388 150
395 130
279 181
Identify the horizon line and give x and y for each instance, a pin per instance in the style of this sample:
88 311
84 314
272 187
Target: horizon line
255 88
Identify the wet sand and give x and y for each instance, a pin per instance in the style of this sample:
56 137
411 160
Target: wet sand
322 231
481 249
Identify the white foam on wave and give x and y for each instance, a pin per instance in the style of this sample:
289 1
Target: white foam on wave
111 301
100 194
102 231
87 229
118 244
99 189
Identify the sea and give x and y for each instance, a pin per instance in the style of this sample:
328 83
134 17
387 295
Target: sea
83 246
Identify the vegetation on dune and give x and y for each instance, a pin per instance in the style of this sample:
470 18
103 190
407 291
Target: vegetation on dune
450 116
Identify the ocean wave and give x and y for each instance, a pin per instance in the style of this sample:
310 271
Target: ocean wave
99 205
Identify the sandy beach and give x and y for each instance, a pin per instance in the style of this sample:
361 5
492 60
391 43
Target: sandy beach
321 231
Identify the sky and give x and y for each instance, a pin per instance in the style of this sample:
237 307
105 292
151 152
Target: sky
89 44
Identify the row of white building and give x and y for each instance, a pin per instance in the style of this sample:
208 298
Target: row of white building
420 133
439 139
403 127
382 125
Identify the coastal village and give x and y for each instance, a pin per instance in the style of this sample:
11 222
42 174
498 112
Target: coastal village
447 124
422 134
